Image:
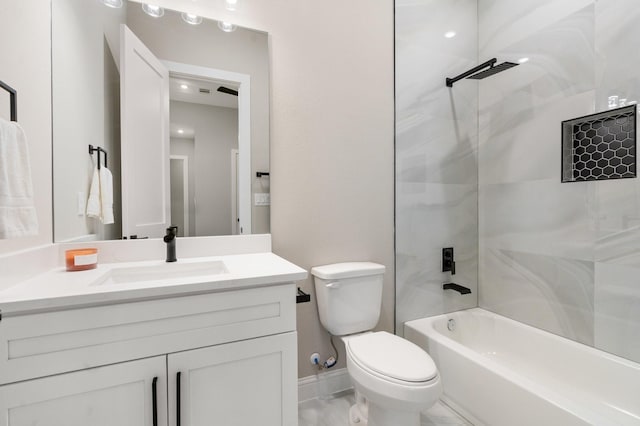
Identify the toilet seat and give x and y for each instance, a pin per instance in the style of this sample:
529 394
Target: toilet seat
392 358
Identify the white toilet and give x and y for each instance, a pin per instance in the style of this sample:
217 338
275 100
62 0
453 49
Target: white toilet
394 379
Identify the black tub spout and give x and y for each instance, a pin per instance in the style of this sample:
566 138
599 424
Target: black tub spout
457 287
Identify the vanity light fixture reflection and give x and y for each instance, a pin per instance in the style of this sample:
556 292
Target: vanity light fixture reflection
191 19
227 27
116 4
153 10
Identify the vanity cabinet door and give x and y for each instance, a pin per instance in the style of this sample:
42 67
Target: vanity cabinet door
251 382
120 394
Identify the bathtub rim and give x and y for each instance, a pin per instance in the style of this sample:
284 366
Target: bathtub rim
485 312
426 327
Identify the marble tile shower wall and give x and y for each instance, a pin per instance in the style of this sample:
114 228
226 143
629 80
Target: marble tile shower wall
564 257
436 156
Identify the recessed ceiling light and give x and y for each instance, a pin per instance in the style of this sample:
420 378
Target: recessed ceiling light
231 4
523 60
450 34
184 86
191 19
116 4
180 131
227 27
153 10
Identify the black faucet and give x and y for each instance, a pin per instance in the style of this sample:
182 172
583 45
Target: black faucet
449 265
170 239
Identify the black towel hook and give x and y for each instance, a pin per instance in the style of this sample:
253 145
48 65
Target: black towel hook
13 95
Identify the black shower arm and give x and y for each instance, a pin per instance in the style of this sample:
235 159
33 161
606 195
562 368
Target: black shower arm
490 63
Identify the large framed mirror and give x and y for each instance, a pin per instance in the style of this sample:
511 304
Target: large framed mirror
159 118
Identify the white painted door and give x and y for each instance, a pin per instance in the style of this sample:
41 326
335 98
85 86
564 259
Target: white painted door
120 394
179 178
235 211
251 382
144 100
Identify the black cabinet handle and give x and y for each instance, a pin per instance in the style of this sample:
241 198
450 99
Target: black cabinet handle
154 396
178 398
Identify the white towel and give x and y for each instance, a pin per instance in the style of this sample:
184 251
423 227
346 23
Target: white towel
106 195
100 202
93 203
17 212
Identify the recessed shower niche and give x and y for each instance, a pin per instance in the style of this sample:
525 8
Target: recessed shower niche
600 146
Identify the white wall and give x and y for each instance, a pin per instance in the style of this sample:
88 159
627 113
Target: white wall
331 130
216 134
25 64
86 108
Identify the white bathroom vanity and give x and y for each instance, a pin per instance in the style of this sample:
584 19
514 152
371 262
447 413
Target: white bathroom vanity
150 343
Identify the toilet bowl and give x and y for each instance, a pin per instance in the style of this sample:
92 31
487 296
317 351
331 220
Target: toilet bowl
394 379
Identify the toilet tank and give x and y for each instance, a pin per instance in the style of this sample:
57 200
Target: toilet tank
349 296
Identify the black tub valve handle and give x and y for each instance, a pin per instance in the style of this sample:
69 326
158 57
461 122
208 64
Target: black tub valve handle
448 264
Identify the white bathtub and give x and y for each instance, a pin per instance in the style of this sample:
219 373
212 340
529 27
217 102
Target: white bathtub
497 371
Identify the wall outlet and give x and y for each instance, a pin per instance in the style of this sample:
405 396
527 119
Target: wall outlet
262 199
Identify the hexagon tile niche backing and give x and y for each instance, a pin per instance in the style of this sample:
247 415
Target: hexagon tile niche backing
600 146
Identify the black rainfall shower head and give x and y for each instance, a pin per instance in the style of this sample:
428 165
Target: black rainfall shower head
479 72
493 70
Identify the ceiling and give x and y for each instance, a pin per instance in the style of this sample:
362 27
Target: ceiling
192 94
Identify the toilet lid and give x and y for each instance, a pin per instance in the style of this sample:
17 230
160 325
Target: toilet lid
392 356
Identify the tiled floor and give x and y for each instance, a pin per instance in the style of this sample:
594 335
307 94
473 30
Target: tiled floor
335 412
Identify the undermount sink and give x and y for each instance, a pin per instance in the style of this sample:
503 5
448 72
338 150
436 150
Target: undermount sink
162 271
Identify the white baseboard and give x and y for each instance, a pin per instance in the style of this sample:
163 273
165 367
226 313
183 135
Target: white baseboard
323 384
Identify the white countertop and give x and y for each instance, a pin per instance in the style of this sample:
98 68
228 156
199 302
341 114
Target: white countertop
58 289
